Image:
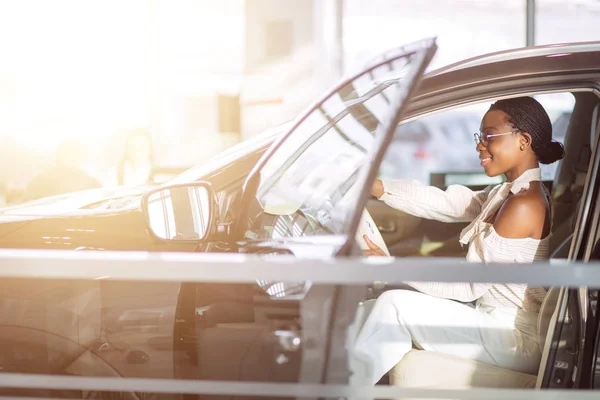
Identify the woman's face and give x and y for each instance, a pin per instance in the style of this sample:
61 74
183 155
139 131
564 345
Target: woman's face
498 154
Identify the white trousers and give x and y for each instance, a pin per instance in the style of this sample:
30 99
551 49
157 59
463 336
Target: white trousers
400 318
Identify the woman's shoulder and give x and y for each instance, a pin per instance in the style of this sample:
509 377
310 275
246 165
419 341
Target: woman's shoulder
521 215
533 199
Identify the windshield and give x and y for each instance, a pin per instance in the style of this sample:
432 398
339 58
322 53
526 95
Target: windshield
310 184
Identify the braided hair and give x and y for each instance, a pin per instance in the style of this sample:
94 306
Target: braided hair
527 115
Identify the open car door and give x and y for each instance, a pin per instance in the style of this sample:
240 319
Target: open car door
316 179
307 194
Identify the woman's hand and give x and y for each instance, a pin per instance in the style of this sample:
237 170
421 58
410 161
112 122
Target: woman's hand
374 250
377 188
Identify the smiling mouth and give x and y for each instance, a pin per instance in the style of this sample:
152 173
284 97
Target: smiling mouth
485 161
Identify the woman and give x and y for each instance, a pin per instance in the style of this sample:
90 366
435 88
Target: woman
509 223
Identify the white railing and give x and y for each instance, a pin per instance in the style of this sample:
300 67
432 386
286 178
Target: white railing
194 267
206 267
263 389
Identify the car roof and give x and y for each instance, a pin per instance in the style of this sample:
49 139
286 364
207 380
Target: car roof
564 66
549 51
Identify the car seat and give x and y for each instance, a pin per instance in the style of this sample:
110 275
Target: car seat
425 369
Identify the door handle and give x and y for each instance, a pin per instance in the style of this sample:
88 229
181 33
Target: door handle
288 340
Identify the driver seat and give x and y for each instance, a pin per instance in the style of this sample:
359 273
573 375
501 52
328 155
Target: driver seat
426 369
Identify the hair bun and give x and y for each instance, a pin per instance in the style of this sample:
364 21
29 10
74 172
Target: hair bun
550 152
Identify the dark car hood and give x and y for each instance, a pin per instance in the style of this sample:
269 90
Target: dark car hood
87 202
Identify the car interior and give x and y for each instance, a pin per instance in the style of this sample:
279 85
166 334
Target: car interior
409 236
406 235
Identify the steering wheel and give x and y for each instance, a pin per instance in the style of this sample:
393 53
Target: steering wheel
367 226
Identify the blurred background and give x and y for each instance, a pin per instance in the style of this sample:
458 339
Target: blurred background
127 92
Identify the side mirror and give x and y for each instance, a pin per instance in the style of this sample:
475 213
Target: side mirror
180 212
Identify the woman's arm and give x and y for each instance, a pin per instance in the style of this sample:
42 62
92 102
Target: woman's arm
456 204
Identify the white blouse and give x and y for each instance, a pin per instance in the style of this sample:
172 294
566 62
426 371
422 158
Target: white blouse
460 204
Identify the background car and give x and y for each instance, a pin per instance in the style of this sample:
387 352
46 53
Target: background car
436 143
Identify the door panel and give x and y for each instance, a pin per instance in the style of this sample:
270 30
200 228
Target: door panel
88 328
137 327
395 226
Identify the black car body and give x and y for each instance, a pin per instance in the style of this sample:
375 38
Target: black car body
276 196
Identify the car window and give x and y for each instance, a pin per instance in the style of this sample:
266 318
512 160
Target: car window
559 107
450 147
416 132
448 158
310 183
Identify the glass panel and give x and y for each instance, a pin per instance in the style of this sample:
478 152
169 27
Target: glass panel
566 21
308 185
373 26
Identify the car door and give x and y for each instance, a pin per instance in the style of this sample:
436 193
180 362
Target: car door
573 356
302 198
320 172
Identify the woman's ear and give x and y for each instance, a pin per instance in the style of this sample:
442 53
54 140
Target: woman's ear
525 140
